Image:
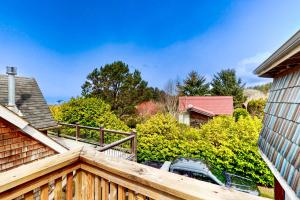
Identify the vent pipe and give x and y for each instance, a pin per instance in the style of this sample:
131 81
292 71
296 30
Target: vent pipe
11 72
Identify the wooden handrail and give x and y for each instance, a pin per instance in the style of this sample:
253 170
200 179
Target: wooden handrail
131 136
110 146
97 175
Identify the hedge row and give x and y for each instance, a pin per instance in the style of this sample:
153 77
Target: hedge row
223 142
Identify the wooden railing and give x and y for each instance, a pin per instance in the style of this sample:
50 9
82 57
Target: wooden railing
89 174
127 144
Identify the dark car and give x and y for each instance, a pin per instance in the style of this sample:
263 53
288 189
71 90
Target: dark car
199 170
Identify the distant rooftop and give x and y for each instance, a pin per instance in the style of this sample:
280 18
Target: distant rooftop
29 100
218 105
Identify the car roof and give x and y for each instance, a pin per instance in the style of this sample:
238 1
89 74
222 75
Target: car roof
191 165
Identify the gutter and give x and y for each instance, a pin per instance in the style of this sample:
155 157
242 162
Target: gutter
283 51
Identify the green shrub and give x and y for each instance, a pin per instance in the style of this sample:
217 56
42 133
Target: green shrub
88 112
240 112
222 142
256 107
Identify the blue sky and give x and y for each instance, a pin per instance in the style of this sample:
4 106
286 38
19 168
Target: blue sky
60 42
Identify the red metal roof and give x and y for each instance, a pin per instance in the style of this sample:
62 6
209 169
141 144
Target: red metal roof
219 105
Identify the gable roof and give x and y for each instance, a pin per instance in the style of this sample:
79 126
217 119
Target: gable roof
25 127
213 105
29 100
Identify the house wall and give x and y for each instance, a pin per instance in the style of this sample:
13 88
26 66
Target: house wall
17 148
280 136
184 118
197 119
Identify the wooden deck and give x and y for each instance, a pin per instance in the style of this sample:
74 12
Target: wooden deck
73 144
125 147
90 174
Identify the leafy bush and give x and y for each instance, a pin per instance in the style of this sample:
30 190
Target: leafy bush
224 143
256 107
240 112
89 112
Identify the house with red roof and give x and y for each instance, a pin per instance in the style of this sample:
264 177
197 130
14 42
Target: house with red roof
196 110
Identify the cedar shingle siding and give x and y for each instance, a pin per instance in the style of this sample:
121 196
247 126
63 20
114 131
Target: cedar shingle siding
280 136
29 100
16 148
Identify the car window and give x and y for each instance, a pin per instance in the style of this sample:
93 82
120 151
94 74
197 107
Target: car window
195 175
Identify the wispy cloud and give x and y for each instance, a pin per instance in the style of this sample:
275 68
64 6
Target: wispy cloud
246 66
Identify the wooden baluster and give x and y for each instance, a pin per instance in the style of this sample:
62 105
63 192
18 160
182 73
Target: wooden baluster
28 196
131 195
101 137
69 195
45 192
113 191
105 188
78 185
84 185
90 186
121 193
58 189
97 188
140 197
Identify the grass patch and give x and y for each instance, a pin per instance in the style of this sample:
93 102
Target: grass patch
266 192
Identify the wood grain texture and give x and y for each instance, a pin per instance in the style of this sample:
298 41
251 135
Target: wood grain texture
58 189
105 189
121 193
45 192
69 187
113 191
97 188
90 186
28 196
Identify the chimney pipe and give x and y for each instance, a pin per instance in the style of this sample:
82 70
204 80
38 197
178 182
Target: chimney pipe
11 72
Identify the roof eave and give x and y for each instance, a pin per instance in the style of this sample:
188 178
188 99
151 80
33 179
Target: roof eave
288 49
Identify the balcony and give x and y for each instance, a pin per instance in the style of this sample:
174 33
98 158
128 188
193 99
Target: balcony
89 174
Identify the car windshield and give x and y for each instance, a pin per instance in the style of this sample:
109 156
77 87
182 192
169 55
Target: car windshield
241 183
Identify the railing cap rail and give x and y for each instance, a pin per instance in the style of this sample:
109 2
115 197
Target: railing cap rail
178 186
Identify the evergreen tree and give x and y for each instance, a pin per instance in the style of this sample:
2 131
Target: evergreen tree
193 85
116 85
225 83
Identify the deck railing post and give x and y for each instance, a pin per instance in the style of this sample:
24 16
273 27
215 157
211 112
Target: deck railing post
134 145
101 137
77 131
58 129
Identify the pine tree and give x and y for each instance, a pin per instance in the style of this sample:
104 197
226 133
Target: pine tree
193 85
226 83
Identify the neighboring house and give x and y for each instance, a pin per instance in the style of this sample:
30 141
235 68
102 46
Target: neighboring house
195 110
29 100
20 141
279 141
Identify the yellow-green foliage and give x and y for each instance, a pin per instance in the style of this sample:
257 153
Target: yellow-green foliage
223 142
240 112
256 107
89 112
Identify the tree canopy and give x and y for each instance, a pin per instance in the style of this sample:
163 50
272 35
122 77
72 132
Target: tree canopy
193 85
226 83
116 85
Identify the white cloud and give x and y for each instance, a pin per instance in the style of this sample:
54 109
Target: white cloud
246 67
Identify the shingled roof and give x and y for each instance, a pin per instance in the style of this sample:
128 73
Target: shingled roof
29 100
